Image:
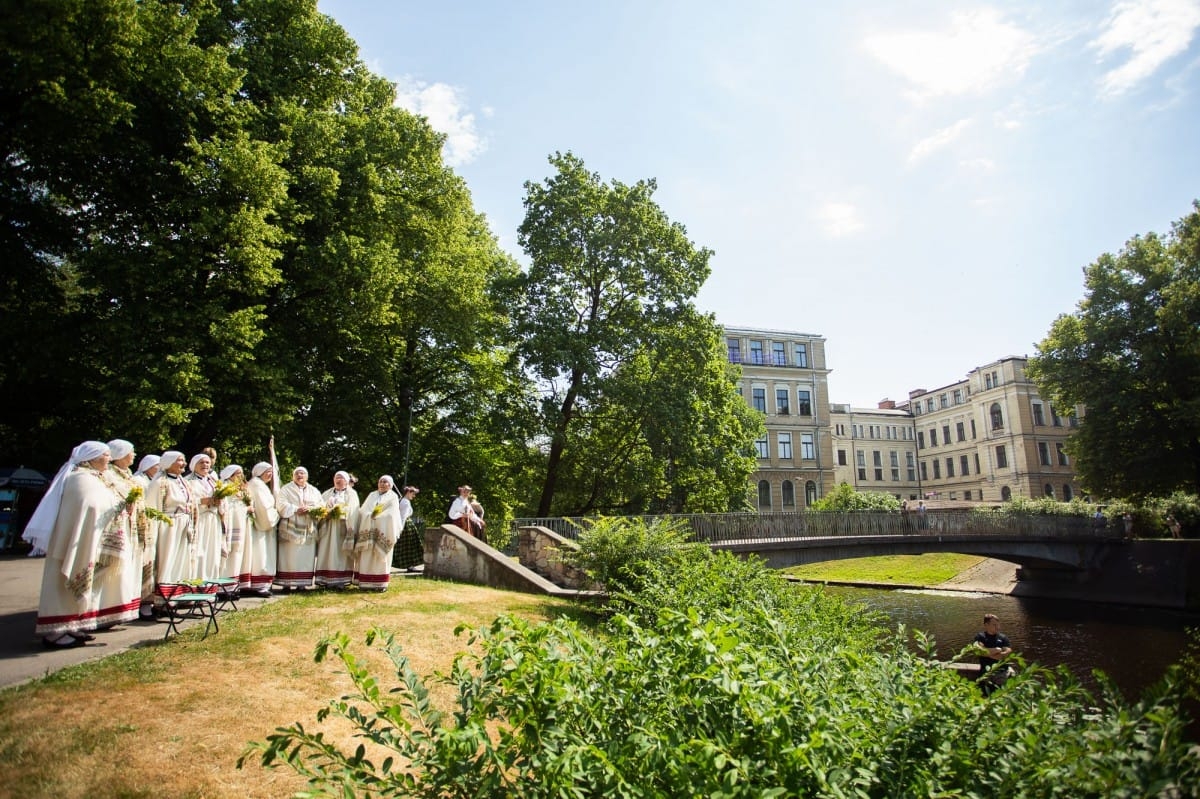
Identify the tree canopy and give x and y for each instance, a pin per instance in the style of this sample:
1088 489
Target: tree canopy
631 374
216 225
1131 354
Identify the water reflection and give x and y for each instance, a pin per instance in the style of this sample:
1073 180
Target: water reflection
1134 646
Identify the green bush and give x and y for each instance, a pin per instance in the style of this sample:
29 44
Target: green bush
845 497
616 552
749 690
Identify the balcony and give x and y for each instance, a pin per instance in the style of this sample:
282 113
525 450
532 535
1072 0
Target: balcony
757 358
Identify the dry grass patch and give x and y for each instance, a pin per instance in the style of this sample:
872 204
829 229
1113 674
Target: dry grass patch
171 720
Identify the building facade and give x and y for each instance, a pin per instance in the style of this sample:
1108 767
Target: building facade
875 449
785 377
991 437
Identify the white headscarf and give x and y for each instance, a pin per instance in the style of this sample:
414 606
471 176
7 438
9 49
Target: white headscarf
41 523
196 459
168 458
260 468
391 483
147 463
119 448
230 470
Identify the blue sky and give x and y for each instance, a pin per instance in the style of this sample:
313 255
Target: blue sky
922 183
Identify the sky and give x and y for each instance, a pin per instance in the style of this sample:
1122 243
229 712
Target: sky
920 183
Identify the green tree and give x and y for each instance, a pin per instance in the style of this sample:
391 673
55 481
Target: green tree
610 277
1131 355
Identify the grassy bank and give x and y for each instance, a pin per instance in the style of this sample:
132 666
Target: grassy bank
929 569
169 720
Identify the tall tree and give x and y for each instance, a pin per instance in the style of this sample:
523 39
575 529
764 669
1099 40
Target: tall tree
597 316
1131 355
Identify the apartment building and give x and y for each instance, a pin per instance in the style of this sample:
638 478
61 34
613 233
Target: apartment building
785 377
991 437
875 449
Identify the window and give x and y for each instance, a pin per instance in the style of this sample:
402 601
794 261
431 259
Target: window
933 436
916 409
759 399
1068 494
781 401
785 446
977 469
861 461
965 463
920 439
1044 453
806 446
778 358
894 462
1006 494
958 396
735 350
810 492
1001 457
1073 421
1063 460
945 434
804 402
943 401
841 457
997 417
987 380
967 494
1054 417
1038 417
841 429
802 355
911 464
764 495
937 469
789 494
924 471
972 428
763 448
877 462
929 405
1049 491
949 467
995 378
960 431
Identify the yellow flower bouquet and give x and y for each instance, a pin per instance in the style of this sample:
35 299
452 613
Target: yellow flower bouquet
319 513
225 488
134 495
156 515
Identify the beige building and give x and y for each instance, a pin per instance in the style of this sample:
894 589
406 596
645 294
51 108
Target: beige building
784 376
991 437
875 449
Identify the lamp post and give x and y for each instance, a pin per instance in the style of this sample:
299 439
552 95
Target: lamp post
406 396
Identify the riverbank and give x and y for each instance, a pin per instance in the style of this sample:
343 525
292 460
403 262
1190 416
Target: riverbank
988 576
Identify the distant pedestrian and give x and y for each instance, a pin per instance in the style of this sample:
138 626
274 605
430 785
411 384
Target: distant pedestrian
1098 521
1127 520
922 521
1174 526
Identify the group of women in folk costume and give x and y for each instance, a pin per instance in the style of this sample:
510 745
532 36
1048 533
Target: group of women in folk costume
111 535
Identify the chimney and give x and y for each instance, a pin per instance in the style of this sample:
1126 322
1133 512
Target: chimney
887 405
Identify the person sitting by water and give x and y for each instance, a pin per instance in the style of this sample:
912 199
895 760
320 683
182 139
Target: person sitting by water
993 646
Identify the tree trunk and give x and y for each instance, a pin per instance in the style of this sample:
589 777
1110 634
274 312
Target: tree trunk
557 444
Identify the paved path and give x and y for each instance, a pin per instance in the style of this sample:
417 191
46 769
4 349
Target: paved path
22 656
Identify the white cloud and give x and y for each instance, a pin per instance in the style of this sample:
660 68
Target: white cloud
984 165
445 108
937 141
839 219
1154 31
978 51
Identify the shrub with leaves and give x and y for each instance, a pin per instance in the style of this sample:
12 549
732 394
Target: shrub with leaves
749 693
845 497
616 552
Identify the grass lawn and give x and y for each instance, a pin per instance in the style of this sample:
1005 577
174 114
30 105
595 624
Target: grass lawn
928 569
169 720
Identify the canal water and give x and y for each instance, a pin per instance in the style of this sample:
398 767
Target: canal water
1132 645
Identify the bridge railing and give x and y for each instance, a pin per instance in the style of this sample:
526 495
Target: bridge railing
716 528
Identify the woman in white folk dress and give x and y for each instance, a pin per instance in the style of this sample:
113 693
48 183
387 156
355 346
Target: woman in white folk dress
147 470
170 494
120 579
259 560
297 555
379 526
208 518
335 534
82 510
234 521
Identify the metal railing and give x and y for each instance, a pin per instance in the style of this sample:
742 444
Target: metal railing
726 527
